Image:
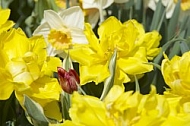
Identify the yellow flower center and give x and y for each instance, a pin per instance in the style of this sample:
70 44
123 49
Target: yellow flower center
60 39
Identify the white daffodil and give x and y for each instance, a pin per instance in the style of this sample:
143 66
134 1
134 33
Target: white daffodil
100 5
169 4
62 30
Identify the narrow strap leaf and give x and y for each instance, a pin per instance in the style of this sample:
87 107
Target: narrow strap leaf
110 80
35 111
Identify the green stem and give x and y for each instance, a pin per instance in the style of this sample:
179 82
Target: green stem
164 48
80 89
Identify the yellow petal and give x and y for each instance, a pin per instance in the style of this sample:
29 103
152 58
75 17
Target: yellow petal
43 91
38 46
105 29
6 26
18 70
114 94
4 15
96 73
135 65
88 105
93 40
16 44
151 41
52 110
46 88
82 55
180 120
7 87
51 65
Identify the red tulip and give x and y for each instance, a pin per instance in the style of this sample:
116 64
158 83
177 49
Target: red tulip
68 80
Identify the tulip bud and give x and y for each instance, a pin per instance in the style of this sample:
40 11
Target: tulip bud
68 80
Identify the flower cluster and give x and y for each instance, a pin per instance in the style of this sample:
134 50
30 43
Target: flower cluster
95 62
129 109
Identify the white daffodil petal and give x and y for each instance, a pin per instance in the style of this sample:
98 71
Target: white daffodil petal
97 4
88 5
53 19
73 17
93 18
78 36
89 1
43 29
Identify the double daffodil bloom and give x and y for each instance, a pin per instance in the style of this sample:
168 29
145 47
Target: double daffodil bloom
5 24
176 72
25 68
63 29
134 48
128 109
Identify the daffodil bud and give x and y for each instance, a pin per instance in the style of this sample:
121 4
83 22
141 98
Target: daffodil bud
68 80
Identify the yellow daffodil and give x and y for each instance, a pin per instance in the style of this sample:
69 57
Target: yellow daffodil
25 68
131 43
136 109
91 110
63 29
61 3
179 110
5 24
176 72
121 108
185 4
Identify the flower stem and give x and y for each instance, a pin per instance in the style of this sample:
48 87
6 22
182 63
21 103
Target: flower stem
80 89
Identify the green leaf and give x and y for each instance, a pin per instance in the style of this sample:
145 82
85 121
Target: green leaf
175 50
35 111
40 6
53 5
158 17
108 83
164 48
184 47
173 21
188 29
155 65
184 24
5 3
65 99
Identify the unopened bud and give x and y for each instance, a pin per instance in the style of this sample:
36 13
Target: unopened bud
68 80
